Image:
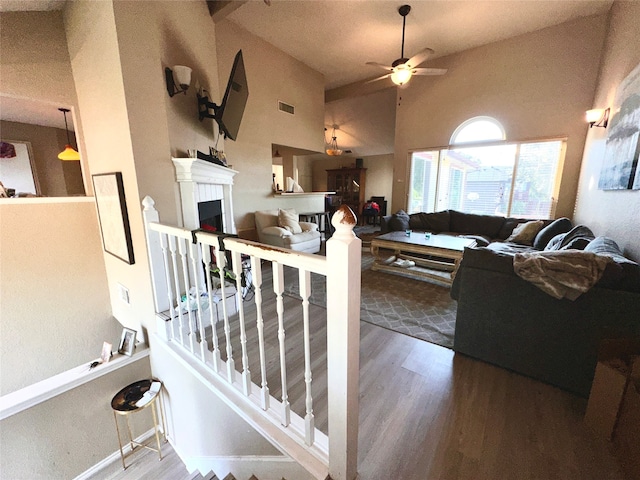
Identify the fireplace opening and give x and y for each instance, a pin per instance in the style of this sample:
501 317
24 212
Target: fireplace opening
210 216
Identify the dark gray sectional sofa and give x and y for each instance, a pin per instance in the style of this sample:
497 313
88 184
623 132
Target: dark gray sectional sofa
507 321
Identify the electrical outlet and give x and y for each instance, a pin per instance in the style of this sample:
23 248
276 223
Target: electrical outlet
124 293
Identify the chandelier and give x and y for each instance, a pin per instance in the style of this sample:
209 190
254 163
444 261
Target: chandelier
333 149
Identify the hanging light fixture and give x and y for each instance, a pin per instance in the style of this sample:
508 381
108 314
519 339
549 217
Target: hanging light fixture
68 153
333 149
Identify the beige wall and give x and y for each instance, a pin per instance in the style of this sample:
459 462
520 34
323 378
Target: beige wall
366 123
56 178
615 214
537 85
55 307
65 436
271 75
35 66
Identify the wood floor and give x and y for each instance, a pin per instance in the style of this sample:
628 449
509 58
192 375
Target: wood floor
427 413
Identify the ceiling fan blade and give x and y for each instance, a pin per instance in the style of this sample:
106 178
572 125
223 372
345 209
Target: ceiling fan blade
419 57
379 65
429 71
378 78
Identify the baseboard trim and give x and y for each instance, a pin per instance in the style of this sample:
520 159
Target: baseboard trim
115 456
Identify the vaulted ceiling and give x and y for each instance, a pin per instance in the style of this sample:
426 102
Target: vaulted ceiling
337 38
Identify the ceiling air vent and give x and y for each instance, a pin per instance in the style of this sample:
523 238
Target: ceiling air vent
286 108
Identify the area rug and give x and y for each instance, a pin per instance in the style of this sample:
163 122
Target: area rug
405 305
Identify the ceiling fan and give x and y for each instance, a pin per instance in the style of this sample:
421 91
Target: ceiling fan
402 69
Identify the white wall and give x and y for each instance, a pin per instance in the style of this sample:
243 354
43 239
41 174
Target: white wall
55 308
537 85
615 214
366 123
70 433
271 75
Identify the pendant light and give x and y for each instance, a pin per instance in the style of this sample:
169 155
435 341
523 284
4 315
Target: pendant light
333 149
68 153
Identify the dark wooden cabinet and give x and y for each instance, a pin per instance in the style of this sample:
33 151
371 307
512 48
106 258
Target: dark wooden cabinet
349 185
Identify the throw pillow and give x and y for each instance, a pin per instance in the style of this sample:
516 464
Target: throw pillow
288 219
524 233
561 225
399 221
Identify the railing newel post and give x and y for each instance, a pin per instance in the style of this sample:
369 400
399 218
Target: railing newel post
344 252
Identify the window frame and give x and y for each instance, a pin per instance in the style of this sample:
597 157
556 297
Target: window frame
563 139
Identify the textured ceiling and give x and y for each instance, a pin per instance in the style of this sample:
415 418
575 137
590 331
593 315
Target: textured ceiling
337 38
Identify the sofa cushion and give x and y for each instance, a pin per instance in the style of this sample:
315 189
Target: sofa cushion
399 221
488 259
432 222
561 225
288 219
622 273
508 225
488 225
525 233
574 238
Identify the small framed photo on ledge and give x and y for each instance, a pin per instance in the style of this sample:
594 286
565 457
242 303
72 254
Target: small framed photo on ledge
127 342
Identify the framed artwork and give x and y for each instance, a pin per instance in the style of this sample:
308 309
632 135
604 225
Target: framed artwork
127 342
621 169
112 215
18 169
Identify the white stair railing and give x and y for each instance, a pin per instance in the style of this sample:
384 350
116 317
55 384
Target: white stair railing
187 308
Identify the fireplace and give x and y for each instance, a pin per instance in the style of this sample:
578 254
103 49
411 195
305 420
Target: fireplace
208 184
210 216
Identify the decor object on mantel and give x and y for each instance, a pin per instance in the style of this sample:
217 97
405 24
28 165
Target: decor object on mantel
69 153
621 165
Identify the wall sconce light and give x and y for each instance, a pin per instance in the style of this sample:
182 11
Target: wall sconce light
182 78
333 149
598 117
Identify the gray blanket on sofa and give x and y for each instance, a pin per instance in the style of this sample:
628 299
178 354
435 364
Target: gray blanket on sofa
561 274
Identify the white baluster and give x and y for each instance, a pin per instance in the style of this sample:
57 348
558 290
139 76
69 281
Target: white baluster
246 374
344 250
256 273
278 288
176 283
206 260
182 249
231 367
305 293
195 261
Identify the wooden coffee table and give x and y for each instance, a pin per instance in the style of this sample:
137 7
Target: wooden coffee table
436 258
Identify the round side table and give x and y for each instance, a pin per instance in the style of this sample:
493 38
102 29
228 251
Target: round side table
135 398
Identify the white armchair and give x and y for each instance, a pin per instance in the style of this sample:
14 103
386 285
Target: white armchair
270 232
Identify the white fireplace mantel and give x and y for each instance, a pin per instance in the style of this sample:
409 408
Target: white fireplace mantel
202 181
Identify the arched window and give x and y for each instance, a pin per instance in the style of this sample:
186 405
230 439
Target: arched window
478 129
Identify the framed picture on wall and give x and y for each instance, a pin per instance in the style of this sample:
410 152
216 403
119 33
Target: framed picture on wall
112 215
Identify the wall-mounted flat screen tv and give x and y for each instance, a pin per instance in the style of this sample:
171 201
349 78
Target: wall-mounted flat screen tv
229 114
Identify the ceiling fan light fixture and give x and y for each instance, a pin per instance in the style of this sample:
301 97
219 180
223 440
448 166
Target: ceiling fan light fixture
401 75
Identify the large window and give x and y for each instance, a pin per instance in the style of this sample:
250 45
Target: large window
482 173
